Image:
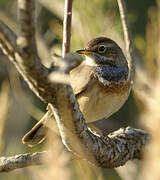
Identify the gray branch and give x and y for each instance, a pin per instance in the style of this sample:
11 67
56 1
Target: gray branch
108 151
35 74
120 139
22 160
26 17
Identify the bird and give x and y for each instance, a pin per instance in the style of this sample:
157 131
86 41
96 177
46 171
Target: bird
101 84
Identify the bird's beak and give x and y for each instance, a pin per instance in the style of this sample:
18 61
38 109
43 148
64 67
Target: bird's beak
82 51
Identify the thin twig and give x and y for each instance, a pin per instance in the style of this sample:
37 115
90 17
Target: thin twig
21 161
67 27
127 36
66 33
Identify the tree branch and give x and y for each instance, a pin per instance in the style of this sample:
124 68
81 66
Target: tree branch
67 27
22 160
127 36
26 17
119 139
108 151
35 74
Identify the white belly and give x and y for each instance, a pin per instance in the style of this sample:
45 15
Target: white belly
95 105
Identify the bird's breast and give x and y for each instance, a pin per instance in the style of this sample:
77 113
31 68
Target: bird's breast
101 101
114 88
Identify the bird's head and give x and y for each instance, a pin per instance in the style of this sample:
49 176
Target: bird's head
107 60
103 51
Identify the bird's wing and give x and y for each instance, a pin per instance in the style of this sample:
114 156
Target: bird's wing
80 76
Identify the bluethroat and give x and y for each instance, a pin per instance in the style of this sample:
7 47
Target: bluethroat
101 84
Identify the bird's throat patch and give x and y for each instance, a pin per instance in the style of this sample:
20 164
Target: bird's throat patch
111 74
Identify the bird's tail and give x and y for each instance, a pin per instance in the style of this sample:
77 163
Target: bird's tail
39 132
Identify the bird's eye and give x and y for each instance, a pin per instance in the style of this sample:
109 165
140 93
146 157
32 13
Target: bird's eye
101 49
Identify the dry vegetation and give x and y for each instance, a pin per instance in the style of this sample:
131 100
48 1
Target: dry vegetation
18 105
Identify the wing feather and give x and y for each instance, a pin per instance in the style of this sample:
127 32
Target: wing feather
80 77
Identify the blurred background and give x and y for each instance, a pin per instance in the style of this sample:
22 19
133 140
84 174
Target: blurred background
20 109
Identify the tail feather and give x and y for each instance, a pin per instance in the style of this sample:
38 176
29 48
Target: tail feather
39 132
36 135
